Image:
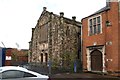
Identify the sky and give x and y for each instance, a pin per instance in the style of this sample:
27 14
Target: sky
17 17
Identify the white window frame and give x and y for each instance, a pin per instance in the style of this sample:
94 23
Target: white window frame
92 24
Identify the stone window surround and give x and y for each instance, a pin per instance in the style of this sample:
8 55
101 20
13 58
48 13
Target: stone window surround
93 17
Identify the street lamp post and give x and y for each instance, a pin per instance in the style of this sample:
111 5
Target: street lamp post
49 66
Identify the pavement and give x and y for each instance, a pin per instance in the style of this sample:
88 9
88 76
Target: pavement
73 76
82 76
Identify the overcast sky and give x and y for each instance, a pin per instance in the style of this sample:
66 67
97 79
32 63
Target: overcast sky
17 17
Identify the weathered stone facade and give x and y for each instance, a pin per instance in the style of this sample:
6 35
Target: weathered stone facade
55 38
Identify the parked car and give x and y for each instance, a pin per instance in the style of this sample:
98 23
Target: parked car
20 73
24 66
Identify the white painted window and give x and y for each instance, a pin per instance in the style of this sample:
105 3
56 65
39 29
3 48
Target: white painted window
94 25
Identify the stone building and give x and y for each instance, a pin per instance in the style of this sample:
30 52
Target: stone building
101 39
55 38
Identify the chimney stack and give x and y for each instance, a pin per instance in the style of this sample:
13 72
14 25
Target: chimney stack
44 8
74 18
108 3
33 29
51 12
61 14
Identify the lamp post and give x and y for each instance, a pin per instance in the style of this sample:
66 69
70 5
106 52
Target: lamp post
49 66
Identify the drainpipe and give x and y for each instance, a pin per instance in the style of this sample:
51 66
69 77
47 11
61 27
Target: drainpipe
104 55
118 35
81 59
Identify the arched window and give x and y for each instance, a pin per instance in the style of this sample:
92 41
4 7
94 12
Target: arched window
67 31
41 57
46 57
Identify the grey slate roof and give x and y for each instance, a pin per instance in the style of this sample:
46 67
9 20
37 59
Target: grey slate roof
99 11
103 9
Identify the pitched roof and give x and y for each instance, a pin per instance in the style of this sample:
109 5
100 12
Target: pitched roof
68 20
102 10
99 11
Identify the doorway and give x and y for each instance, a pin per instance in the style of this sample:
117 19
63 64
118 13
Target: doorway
96 60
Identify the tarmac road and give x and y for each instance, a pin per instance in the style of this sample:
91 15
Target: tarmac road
82 76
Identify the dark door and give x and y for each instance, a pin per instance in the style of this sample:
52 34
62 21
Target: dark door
96 60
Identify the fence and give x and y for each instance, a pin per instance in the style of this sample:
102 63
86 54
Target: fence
47 68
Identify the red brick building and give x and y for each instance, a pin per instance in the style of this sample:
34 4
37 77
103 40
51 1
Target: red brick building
8 56
16 57
101 40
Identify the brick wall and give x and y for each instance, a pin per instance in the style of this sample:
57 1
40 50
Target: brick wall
109 34
8 54
14 56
